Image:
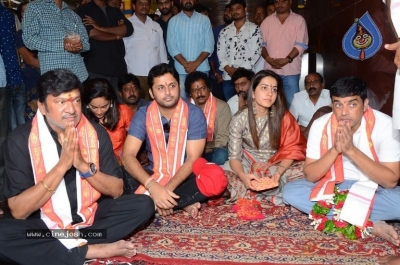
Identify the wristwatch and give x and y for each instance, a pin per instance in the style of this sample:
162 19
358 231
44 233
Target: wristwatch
290 59
91 172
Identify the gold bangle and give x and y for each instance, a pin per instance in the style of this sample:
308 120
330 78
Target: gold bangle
47 188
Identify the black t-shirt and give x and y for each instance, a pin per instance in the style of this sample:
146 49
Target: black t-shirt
19 173
105 57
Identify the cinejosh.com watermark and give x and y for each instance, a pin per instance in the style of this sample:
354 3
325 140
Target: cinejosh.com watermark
66 234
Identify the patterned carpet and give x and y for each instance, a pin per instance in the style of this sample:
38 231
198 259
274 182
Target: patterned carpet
217 236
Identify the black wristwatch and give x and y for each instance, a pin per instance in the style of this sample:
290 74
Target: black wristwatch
290 59
91 172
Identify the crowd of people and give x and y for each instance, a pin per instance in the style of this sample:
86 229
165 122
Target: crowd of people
116 119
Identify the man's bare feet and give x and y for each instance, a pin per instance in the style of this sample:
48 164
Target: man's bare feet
385 231
193 209
119 248
390 260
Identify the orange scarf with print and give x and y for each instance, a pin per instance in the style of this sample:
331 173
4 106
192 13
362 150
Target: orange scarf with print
210 112
87 205
335 175
169 158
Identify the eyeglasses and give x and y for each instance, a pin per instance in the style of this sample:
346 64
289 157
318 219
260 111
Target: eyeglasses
166 128
313 82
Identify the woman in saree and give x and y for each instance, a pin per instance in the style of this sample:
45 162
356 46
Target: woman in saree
264 141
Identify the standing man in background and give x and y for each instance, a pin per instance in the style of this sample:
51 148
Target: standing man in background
165 7
106 26
190 41
239 45
215 73
57 33
145 48
285 37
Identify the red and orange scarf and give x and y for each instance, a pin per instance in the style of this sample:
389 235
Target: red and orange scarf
169 158
335 175
210 112
56 212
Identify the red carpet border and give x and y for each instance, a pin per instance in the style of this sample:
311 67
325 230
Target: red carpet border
218 236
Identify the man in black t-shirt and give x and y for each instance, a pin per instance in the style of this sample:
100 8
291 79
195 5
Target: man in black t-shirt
62 176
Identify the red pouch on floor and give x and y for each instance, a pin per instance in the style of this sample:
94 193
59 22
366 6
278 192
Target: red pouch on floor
248 209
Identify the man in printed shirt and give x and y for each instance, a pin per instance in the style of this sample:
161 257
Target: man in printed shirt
145 47
190 41
44 28
283 54
239 45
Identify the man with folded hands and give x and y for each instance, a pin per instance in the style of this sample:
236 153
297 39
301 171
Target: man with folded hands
355 148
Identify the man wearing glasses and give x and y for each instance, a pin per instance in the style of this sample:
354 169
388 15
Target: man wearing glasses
285 38
308 101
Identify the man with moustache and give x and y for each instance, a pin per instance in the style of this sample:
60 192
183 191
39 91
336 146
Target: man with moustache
355 148
175 134
129 89
241 80
217 113
165 7
239 45
285 37
145 47
215 73
65 179
106 26
190 41
305 103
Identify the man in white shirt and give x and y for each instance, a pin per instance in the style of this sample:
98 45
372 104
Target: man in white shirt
145 48
352 146
308 101
241 80
239 45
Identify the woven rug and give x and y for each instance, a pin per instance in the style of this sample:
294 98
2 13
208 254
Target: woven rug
218 236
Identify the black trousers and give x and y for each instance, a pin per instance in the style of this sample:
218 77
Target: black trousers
188 191
119 217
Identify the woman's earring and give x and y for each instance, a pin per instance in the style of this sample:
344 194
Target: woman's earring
272 111
111 104
87 106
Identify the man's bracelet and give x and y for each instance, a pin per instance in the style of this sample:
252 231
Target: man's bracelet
46 187
147 182
151 184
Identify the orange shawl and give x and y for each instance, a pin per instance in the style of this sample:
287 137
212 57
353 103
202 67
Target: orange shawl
56 212
292 144
167 159
210 112
335 174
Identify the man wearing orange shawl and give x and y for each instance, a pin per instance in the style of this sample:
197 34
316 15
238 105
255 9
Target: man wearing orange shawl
351 147
217 113
175 133
57 168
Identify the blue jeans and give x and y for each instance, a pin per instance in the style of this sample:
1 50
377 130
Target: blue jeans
218 156
16 100
182 78
386 205
229 89
290 86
